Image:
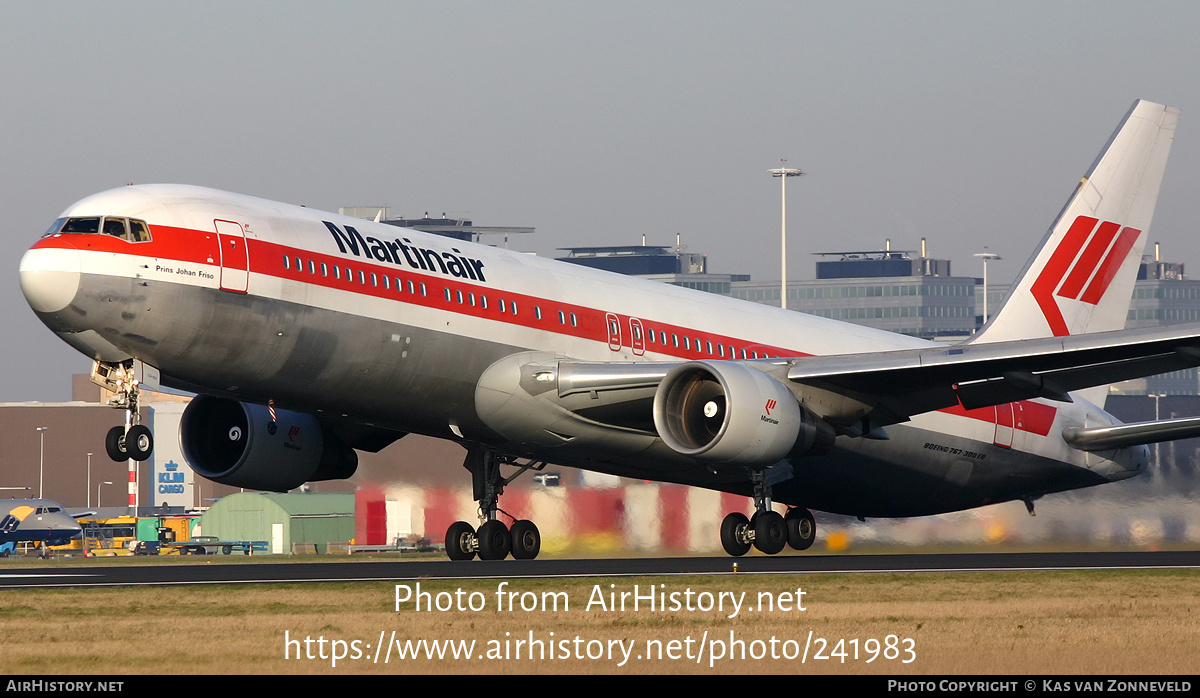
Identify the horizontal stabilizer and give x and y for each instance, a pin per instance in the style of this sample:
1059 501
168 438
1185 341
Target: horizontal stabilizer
1123 435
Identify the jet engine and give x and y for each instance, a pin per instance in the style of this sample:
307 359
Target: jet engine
730 413
237 444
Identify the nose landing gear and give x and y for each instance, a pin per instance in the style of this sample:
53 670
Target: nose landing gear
133 440
137 443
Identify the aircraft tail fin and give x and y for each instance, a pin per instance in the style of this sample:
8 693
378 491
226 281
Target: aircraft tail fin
1081 278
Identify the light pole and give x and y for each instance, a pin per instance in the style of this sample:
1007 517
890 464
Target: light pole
89 482
985 256
102 484
42 458
783 173
1157 452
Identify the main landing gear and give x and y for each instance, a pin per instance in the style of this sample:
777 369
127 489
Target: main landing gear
493 540
133 440
767 530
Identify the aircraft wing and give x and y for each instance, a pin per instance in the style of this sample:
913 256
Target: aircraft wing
858 392
895 385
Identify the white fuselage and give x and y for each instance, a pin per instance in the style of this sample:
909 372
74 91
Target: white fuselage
390 327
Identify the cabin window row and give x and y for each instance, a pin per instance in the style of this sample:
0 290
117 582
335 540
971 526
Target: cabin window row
339 273
675 341
508 306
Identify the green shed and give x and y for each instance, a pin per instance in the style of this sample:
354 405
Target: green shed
281 519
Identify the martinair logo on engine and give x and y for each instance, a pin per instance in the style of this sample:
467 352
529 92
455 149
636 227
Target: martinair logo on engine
402 251
291 440
767 417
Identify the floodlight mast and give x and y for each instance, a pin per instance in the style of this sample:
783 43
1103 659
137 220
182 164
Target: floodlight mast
41 459
783 173
985 256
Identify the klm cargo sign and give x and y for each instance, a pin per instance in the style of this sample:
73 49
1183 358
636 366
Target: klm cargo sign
170 480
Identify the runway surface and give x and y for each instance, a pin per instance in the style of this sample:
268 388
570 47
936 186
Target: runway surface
214 570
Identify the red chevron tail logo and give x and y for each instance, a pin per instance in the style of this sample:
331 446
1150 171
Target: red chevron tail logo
770 406
1081 267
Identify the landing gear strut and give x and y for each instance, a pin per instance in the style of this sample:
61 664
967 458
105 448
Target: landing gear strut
133 440
767 530
493 540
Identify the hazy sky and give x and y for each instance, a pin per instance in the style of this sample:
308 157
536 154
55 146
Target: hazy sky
968 123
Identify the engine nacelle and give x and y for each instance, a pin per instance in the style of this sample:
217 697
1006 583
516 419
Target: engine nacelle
726 412
236 444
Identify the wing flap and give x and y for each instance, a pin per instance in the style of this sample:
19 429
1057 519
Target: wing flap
1056 384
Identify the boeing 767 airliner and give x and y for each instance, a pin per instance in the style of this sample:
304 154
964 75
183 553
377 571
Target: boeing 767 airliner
307 335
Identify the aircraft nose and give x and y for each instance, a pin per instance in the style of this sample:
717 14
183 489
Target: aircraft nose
50 277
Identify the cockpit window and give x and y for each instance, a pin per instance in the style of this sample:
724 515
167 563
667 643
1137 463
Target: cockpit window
138 232
116 228
82 225
129 229
54 227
